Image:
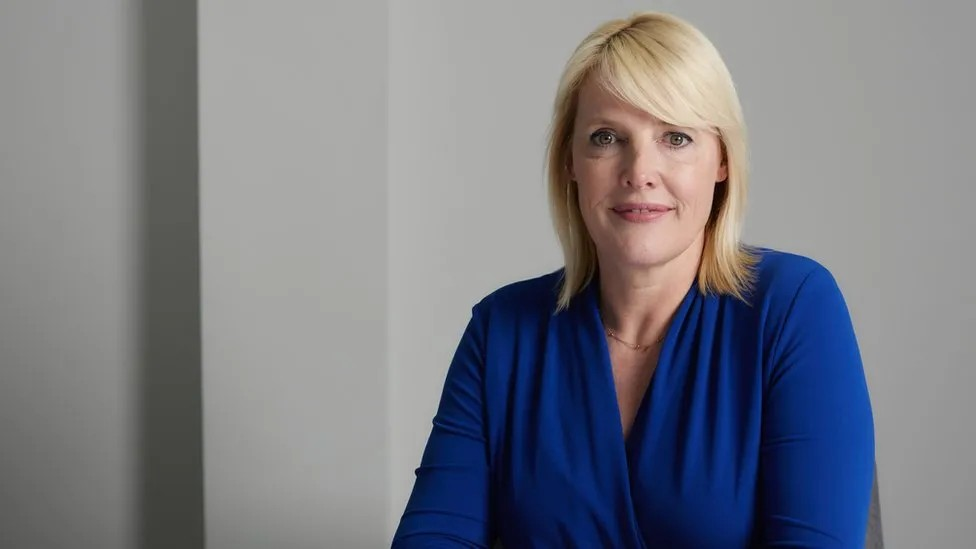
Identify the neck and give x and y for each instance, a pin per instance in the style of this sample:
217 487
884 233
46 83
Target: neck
639 302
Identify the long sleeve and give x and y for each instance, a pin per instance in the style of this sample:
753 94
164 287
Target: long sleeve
817 454
449 504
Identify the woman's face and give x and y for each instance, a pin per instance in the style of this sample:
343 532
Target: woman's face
645 187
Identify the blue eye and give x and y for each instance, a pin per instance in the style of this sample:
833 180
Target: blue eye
677 140
603 138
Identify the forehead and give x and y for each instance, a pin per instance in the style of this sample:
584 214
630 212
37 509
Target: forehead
596 102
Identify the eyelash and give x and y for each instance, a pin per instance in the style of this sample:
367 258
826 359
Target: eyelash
687 138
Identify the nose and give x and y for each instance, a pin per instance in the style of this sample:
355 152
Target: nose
642 167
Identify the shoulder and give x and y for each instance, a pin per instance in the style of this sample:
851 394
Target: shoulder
516 309
801 301
781 276
533 296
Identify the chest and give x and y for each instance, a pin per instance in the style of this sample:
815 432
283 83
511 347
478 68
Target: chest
632 373
599 444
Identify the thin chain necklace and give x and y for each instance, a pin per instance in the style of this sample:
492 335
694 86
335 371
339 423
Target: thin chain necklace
635 346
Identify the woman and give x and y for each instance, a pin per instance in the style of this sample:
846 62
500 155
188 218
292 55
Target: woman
670 386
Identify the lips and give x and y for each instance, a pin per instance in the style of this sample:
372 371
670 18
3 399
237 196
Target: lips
641 212
640 207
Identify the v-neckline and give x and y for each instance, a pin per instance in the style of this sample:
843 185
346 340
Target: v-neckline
627 452
627 443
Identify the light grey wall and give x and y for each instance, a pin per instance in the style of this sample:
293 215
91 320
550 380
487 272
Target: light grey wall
293 125
860 130
99 339
922 147
467 211
69 277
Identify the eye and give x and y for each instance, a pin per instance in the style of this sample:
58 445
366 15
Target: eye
677 140
603 138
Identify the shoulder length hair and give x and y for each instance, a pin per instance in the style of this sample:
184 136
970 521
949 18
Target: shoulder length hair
666 67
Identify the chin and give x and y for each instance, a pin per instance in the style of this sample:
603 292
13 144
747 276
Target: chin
644 259
640 253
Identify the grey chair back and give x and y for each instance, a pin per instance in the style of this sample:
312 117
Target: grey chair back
874 538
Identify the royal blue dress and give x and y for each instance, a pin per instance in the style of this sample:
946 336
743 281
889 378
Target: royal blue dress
756 429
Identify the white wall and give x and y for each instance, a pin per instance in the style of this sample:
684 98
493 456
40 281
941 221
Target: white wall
293 142
99 342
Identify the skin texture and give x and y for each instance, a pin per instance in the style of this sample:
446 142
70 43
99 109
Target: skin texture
621 154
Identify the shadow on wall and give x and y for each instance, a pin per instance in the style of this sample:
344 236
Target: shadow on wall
170 453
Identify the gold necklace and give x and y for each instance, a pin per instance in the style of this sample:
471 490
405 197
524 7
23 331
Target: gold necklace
634 346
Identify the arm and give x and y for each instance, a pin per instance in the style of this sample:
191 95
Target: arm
449 504
817 457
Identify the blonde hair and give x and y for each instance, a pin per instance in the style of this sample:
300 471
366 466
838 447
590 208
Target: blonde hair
668 68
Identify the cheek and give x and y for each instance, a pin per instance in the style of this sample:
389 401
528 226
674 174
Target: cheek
594 186
590 199
695 196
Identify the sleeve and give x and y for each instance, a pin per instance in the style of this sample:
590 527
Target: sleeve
449 504
817 454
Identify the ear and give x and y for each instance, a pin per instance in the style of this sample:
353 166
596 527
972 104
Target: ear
722 175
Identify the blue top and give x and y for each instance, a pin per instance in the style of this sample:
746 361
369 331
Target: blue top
756 429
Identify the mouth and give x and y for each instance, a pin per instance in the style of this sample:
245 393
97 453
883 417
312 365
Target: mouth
639 207
641 212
